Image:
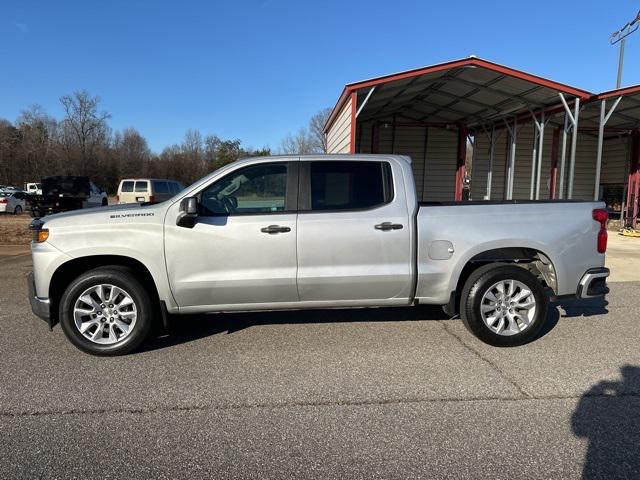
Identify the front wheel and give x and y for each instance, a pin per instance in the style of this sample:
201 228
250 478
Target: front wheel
106 311
503 305
17 210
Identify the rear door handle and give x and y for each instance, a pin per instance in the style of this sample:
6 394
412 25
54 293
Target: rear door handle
275 229
388 226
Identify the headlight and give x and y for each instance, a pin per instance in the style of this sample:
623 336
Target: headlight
39 234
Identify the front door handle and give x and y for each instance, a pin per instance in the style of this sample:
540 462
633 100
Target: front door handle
275 229
388 226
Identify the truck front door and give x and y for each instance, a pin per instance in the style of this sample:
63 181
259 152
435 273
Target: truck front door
354 234
241 252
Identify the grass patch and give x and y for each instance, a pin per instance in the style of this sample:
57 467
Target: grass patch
14 229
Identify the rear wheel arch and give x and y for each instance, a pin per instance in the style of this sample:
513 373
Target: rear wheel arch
504 305
531 259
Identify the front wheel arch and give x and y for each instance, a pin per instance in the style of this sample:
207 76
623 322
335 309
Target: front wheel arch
72 269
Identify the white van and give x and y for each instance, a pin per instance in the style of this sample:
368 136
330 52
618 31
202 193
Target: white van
143 190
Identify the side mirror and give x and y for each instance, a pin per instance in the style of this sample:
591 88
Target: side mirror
188 212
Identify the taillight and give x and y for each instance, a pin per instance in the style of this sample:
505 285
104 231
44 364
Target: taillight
152 199
3 200
601 216
117 198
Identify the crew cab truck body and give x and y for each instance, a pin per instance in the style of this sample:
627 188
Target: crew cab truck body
312 232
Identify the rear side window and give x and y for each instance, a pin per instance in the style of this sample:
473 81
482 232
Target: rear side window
160 187
142 186
127 187
349 185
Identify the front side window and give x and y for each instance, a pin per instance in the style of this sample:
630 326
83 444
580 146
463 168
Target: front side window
256 189
349 185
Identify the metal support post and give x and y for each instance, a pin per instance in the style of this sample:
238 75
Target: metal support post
540 151
460 167
491 136
553 172
563 155
511 160
534 157
604 118
574 139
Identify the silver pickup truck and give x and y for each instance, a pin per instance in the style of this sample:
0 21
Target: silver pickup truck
312 232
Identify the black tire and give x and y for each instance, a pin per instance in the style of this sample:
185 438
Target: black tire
105 202
477 285
122 278
17 210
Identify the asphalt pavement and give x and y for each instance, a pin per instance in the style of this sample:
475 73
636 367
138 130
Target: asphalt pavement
382 393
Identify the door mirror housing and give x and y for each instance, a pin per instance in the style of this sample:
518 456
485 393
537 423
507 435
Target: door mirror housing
188 212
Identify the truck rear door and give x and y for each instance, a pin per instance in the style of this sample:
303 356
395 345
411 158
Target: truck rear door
354 234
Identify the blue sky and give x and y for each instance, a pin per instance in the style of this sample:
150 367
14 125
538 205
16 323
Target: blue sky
258 70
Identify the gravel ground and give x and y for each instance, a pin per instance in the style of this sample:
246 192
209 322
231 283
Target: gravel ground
386 393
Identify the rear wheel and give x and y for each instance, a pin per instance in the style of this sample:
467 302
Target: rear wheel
504 305
105 202
106 311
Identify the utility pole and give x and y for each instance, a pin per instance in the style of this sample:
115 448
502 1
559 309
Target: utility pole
620 36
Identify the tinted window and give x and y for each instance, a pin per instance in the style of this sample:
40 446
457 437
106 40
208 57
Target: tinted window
127 186
255 189
349 185
142 186
160 187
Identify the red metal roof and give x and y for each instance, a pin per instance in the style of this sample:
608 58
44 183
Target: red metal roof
617 92
467 62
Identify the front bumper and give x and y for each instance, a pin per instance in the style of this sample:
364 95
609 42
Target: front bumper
593 283
39 305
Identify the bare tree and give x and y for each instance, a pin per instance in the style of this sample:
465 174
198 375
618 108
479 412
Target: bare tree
131 151
308 140
316 130
84 126
38 140
299 144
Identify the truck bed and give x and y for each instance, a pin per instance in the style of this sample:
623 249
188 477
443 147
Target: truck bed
562 230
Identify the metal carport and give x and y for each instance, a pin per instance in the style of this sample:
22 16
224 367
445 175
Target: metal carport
521 126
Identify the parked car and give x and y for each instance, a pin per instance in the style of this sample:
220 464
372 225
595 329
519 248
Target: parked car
65 193
313 232
147 190
33 188
13 202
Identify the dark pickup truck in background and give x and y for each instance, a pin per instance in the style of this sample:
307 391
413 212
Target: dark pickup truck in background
65 193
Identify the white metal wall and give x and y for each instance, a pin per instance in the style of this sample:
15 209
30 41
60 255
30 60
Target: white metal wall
339 134
613 166
433 169
615 160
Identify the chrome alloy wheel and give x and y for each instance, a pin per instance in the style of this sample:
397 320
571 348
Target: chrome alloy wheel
508 307
105 314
